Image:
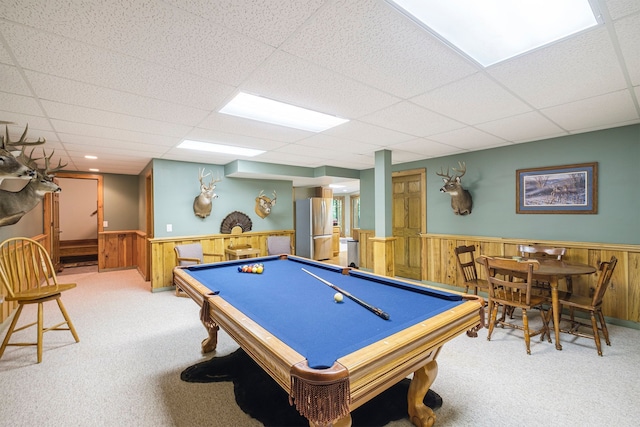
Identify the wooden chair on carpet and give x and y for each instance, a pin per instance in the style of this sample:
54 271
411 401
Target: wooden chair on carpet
28 276
544 252
191 254
277 245
590 304
465 255
513 289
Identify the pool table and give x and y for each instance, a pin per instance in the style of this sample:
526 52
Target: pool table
331 357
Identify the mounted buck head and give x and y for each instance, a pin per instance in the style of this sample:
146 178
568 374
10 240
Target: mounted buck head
14 205
202 202
264 204
10 167
461 201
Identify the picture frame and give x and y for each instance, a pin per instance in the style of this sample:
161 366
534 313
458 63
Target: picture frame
568 189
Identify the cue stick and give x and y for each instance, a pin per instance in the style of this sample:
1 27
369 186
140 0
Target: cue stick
369 307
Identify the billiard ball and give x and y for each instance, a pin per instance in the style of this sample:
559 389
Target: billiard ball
337 297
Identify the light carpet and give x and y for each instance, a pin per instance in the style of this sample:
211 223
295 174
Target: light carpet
134 344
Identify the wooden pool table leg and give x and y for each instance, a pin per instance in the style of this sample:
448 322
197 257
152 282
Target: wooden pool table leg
209 344
419 414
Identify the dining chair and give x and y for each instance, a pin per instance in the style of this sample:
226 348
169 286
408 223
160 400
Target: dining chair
28 276
191 254
545 252
592 305
465 256
277 245
510 286
539 251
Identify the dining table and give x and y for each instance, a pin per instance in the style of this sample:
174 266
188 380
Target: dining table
551 271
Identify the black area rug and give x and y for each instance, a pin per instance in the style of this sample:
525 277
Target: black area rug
259 396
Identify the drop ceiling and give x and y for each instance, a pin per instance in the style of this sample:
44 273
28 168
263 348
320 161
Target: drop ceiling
127 81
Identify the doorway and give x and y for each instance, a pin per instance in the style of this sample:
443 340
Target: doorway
76 221
409 218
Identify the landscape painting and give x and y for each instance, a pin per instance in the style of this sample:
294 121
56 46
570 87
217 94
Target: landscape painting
557 189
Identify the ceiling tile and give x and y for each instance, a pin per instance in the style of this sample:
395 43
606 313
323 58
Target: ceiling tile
523 128
352 38
592 113
566 71
628 31
411 119
468 138
466 100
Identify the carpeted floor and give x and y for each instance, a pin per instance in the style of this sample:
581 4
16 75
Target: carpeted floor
134 346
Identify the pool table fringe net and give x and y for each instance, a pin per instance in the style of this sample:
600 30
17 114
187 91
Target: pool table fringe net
323 399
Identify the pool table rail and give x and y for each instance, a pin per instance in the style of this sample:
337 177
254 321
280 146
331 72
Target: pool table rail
370 370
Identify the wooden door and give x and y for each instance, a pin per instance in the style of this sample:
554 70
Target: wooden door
409 220
51 227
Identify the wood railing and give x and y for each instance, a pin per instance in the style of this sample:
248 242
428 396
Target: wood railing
163 258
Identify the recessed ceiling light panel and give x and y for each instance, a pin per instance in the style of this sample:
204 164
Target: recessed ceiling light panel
267 110
491 31
219 148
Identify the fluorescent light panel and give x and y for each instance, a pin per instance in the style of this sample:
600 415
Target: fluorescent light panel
219 148
492 31
267 110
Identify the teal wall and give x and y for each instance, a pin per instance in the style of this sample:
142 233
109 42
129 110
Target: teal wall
121 195
491 179
176 185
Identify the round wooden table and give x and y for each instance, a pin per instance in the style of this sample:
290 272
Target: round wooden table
551 270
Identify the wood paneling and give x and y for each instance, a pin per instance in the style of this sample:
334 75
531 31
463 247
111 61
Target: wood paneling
622 300
121 250
163 259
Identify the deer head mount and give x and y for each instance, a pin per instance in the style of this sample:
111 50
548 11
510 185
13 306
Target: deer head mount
14 205
264 204
202 202
10 167
461 201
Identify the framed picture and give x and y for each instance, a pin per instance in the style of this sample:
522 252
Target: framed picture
570 189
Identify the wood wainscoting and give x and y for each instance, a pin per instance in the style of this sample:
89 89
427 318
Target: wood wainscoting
622 300
121 250
163 257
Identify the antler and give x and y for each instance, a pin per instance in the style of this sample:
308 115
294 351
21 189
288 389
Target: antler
202 176
48 171
275 196
28 160
6 142
443 174
462 170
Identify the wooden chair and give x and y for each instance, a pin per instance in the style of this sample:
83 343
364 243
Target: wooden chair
539 251
28 276
591 304
191 254
277 245
514 290
465 255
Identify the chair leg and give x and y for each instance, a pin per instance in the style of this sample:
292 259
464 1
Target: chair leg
14 322
492 320
72 329
525 324
40 330
603 325
546 319
596 334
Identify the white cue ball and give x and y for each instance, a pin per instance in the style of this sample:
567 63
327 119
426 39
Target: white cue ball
337 297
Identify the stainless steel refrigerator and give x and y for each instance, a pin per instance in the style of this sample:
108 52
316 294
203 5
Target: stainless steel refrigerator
314 228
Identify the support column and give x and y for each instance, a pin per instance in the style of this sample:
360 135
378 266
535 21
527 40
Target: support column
383 243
